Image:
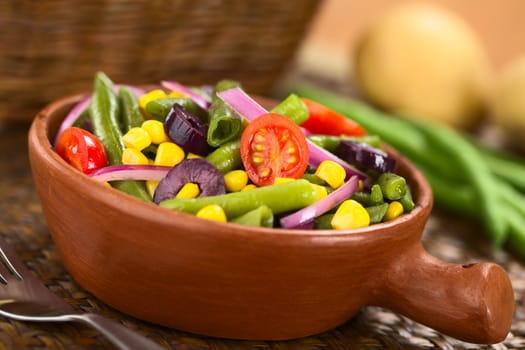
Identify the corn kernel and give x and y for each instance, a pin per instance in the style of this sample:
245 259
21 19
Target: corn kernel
156 132
350 214
282 180
235 180
248 187
169 154
151 96
151 186
394 210
331 172
189 190
132 156
321 191
192 155
212 212
137 138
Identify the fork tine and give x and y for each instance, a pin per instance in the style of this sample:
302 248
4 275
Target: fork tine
10 261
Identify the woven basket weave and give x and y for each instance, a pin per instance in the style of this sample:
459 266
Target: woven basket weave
52 48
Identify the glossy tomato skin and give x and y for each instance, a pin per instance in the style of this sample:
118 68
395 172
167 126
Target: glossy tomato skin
81 149
273 146
325 121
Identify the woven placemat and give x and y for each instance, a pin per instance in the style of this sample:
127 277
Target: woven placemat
22 224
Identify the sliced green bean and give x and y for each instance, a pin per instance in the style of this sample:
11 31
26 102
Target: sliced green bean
324 222
331 143
407 201
224 125
129 105
160 108
367 199
393 186
227 157
377 212
259 217
280 198
293 108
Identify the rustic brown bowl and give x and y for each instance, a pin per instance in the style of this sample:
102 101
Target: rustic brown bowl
233 281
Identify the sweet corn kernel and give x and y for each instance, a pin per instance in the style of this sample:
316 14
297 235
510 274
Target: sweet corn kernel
212 212
137 138
189 190
360 185
151 96
151 186
282 180
192 155
132 156
248 187
169 154
321 191
395 209
235 180
331 172
156 132
350 214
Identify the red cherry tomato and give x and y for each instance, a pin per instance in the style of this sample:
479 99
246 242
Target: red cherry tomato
81 149
323 120
273 146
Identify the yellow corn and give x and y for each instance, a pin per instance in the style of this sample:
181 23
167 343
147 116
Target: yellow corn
192 155
395 209
151 96
169 154
350 214
132 156
248 187
321 191
151 186
189 190
137 138
331 172
235 180
282 180
212 212
174 93
156 132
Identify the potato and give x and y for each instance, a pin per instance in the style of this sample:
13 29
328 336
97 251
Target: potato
424 61
508 104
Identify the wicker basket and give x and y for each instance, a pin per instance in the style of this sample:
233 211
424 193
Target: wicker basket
53 48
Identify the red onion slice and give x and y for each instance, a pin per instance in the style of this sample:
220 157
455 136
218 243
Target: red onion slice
306 215
198 99
130 172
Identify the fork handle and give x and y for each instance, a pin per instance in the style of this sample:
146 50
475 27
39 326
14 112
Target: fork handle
123 338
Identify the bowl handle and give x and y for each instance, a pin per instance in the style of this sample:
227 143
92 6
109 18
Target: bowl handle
474 302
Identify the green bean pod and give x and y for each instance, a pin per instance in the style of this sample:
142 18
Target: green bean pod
131 114
298 194
393 186
367 199
324 222
407 201
224 124
259 217
227 157
104 111
293 108
331 143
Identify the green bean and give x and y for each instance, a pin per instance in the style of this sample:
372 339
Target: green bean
407 201
259 217
105 114
505 167
331 143
131 114
280 199
393 186
227 157
83 120
160 108
367 199
224 125
377 212
324 222
314 179
293 108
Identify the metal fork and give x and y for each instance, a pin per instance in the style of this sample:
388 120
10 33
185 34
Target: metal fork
25 298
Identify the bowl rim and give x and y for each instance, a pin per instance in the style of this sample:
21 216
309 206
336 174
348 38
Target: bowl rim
40 136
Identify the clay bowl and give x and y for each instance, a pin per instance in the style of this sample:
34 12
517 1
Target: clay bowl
233 281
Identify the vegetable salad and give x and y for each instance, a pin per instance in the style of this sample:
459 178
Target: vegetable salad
216 153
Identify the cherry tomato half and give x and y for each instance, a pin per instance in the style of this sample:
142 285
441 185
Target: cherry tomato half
323 120
273 146
81 149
